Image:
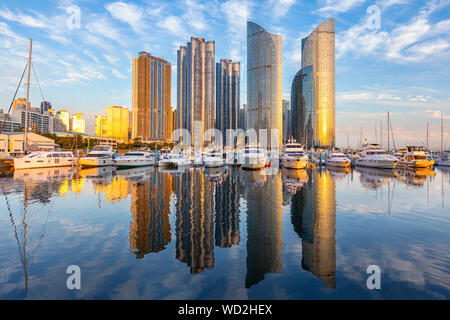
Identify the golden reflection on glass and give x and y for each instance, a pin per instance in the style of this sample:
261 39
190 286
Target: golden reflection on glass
313 215
195 220
415 177
264 225
150 209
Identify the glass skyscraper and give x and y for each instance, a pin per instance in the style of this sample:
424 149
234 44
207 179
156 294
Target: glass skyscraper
227 96
195 85
264 82
313 89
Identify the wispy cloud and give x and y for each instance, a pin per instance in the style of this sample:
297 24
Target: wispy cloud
339 6
280 7
128 13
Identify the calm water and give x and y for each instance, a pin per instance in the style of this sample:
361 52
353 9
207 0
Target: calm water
224 234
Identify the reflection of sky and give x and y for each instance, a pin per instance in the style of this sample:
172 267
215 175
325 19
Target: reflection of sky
405 233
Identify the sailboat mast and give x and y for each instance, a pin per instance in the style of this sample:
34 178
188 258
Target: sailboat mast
27 99
442 135
381 133
427 135
388 148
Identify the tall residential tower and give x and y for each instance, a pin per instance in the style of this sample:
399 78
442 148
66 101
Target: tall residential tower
313 89
227 96
195 85
151 98
264 82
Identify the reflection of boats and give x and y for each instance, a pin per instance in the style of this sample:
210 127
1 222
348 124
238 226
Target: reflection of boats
45 159
101 155
97 172
6 161
252 157
173 170
338 159
293 156
215 174
293 179
415 157
373 177
253 178
338 172
374 157
415 177
135 159
136 174
44 174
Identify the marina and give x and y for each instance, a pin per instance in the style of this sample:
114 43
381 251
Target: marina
224 233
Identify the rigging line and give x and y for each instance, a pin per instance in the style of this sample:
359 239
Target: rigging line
14 98
11 218
35 75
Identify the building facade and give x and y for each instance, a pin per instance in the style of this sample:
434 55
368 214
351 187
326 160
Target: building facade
114 125
227 96
264 82
286 120
195 86
151 98
78 124
313 89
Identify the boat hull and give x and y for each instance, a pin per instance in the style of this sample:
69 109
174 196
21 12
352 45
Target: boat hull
294 163
91 163
339 164
376 164
135 163
21 163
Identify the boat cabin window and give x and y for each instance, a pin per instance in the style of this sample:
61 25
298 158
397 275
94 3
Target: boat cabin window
255 151
55 155
134 154
295 154
49 156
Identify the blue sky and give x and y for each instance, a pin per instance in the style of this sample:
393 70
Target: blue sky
402 67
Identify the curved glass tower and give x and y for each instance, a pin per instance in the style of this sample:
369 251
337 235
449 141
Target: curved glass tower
264 82
313 89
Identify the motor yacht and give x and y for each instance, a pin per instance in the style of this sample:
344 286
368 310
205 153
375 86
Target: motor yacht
338 159
373 156
293 156
135 159
176 159
444 160
214 159
99 156
45 159
252 157
415 157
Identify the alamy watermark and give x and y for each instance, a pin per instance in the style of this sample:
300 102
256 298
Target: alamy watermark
74 280
374 280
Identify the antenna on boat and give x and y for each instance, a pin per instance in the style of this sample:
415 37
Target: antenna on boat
388 122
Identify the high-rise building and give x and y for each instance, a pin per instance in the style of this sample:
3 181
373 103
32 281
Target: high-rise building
64 116
313 89
195 86
151 97
264 82
227 96
45 106
286 120
20 103
114 125
78 123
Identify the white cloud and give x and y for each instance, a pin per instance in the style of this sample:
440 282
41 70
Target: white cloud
118 74
172 24
281 7
339 6
29 21
102 27
415 40
128 13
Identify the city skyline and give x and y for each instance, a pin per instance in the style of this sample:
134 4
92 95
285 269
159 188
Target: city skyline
364 90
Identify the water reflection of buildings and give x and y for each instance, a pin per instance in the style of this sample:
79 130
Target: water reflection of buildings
227 211
150 209
264 225
195 220
313 214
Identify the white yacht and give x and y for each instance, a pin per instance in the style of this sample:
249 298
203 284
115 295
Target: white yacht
176 159
252 157
99 156
293 156
135 159
45 159
214 159
338 159
373 156
444 160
